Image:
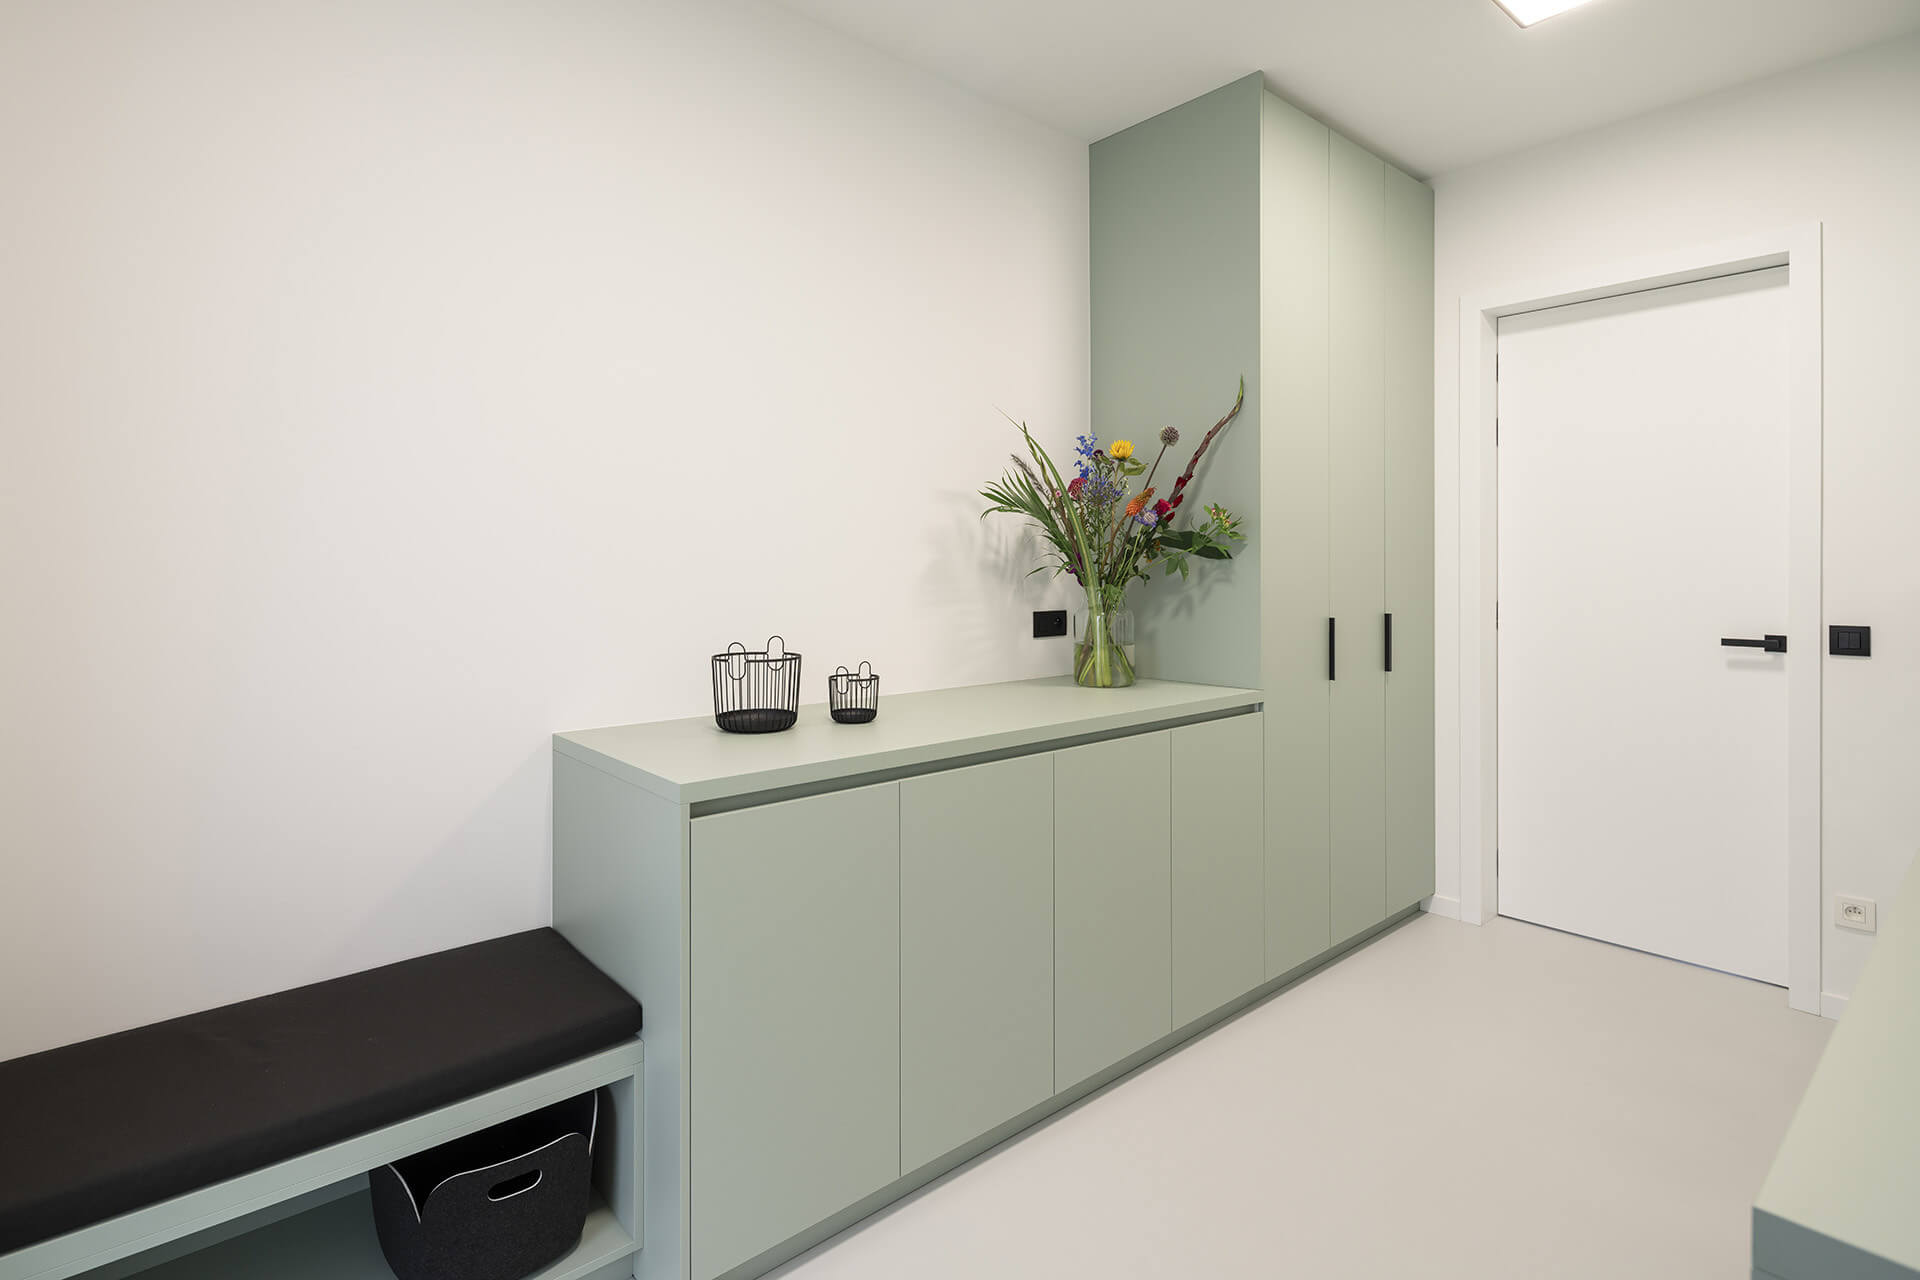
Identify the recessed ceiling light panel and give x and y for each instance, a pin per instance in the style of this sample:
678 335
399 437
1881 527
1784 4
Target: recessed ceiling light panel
1528 12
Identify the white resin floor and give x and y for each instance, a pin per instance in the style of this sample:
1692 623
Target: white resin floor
1450 1101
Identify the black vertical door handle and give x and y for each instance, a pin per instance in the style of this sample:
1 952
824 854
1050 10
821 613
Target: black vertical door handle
1330 648
1389 642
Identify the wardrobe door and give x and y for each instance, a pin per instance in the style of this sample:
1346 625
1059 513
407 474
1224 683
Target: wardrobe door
1356 334
1409 529
1292 528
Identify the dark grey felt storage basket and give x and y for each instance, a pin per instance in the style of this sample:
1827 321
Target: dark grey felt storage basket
495 1205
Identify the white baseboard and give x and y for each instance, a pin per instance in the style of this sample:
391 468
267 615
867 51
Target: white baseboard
1440 905
1831 1005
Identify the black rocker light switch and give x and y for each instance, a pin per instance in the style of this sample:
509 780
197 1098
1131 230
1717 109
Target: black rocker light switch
1048 623
1850 642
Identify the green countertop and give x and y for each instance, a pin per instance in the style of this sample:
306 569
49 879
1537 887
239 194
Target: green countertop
1842 1201
690 761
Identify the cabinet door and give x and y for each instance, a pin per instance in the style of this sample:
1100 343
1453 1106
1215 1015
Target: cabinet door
1219 926
1356 331
1292 526
976 951
1409 409
1113 962
794 1016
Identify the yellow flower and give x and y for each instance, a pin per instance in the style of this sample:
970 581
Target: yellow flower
1122 449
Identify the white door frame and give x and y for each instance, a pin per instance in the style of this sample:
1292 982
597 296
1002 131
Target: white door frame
1799 249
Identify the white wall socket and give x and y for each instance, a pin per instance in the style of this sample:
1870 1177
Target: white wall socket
1854 913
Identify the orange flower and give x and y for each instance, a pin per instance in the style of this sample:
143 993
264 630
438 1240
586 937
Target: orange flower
1139 504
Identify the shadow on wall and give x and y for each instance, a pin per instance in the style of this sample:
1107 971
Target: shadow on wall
441 904
991 630
1161 601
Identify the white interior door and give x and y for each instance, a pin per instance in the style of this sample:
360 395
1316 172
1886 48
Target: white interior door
1643 487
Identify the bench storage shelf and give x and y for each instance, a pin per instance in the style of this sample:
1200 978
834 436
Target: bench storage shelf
868 954
235 1143
308 1218
335 1241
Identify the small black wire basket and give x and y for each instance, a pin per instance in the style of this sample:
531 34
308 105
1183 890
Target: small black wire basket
853 697
756 690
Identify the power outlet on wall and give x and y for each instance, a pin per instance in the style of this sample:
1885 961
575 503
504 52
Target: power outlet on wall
1048 623
1854 913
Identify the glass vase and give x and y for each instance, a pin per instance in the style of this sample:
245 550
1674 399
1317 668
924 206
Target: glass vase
1103 648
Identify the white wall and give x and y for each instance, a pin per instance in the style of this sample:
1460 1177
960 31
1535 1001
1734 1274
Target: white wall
1837 143
389 384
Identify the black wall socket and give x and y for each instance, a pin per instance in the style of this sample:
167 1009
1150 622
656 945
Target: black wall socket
1049 622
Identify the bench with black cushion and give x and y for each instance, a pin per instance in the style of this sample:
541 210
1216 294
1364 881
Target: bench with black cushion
93 1130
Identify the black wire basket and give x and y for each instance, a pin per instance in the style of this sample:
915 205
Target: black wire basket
756 690
853 697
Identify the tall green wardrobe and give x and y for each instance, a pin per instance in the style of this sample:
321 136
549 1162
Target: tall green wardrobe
1237 236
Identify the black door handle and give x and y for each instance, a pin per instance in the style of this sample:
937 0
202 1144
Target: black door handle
1389 644
1772 644
1329 648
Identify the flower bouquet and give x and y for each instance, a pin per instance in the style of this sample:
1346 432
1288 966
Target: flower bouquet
1105 533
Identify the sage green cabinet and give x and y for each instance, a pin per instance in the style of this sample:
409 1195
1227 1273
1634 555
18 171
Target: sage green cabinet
1330 464
1408 317
1218 872
1113 960
795 1027
976 951
852 992
1357 722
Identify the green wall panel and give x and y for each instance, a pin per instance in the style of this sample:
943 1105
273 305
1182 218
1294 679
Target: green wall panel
1175 291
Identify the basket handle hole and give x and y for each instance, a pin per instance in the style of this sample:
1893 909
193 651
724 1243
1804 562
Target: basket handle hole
516 1186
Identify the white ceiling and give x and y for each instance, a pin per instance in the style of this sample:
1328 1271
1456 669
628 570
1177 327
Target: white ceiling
1431 84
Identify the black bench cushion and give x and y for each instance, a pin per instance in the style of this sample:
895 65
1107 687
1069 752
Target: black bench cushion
99 1128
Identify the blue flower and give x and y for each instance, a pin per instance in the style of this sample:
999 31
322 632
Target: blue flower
1100 490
